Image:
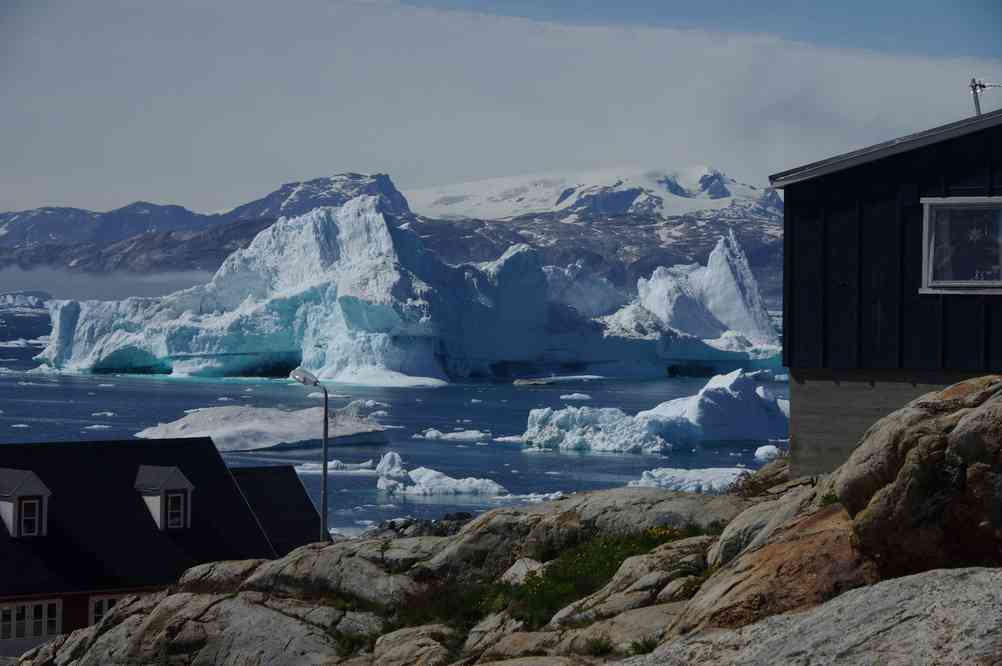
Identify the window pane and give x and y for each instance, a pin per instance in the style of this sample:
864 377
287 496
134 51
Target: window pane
37 612
5 622
965 244
19 618
51 623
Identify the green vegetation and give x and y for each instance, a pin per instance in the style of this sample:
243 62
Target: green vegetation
643 646
597 647
829 498
578 572
571 575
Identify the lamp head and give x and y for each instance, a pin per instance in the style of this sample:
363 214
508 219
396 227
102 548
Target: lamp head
303 377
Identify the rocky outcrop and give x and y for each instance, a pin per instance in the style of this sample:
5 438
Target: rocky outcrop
808 561
924 486
937 617
803 571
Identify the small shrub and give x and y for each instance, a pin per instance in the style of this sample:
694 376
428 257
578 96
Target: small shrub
829 498
644 646
597 647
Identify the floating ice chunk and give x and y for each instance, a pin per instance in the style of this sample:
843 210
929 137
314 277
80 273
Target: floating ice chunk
556 380
714 480
105 385
99 414
379 413
575 396
20 425
458 436
425 481
224 399
474 401
366 468
391 466
767 453
728 407
97 426
591 429
531 497
241 428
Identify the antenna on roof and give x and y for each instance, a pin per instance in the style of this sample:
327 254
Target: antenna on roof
978 87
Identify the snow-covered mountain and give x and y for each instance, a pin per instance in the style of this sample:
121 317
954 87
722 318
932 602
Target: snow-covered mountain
617 225
354 294
576 196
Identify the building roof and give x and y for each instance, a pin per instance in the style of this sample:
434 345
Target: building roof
158 478
886 149
100 533
17 482
292 521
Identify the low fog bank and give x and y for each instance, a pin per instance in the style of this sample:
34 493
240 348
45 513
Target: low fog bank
112 286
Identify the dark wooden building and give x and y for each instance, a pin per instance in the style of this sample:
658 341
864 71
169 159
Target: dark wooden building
892 280
84 524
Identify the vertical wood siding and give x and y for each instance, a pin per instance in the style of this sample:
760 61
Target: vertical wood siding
853 262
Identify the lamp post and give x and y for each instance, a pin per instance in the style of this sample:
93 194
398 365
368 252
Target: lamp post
307 379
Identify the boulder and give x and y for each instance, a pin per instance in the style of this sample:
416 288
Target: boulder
942 617
622 631
753 526
518 572
806 562
521 644
924 485
414 646
489 631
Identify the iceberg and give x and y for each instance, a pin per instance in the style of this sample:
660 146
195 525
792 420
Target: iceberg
713 480
351 294
576 287
728 407
395 479
457 436
246 428
767 453
709 301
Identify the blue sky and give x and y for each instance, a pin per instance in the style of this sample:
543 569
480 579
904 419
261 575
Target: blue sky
930 27
211 103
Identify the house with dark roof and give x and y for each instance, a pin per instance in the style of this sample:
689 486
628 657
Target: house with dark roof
892 280
84 524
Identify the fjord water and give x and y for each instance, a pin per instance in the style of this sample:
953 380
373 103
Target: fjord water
42 407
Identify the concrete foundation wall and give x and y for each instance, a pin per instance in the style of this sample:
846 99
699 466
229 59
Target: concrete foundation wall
830 411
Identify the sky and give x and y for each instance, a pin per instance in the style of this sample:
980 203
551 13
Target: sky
211 103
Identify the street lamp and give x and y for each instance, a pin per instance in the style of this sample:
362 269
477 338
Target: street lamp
307 379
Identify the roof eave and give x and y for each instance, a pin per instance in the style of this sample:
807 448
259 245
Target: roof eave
886 149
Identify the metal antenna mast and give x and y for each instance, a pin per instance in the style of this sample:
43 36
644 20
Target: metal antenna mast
978 87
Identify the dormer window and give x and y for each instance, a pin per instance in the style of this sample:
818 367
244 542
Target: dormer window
24 503
175 511
31 516
166 491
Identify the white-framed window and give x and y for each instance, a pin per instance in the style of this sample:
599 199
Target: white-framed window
31 619
99 606
30 510
175 510
962 241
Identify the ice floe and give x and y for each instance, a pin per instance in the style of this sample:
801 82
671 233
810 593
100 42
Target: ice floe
713 480
394 478
241 428
457 436
575 396
767 453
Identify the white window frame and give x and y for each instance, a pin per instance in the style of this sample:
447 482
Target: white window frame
953 286
22 502
9 626
184 510
100 605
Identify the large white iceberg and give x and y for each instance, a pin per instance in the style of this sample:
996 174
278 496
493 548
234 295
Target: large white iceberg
728 407
576 287
351 294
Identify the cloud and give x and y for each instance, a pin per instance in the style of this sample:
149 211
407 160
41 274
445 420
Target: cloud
209 104
108 287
